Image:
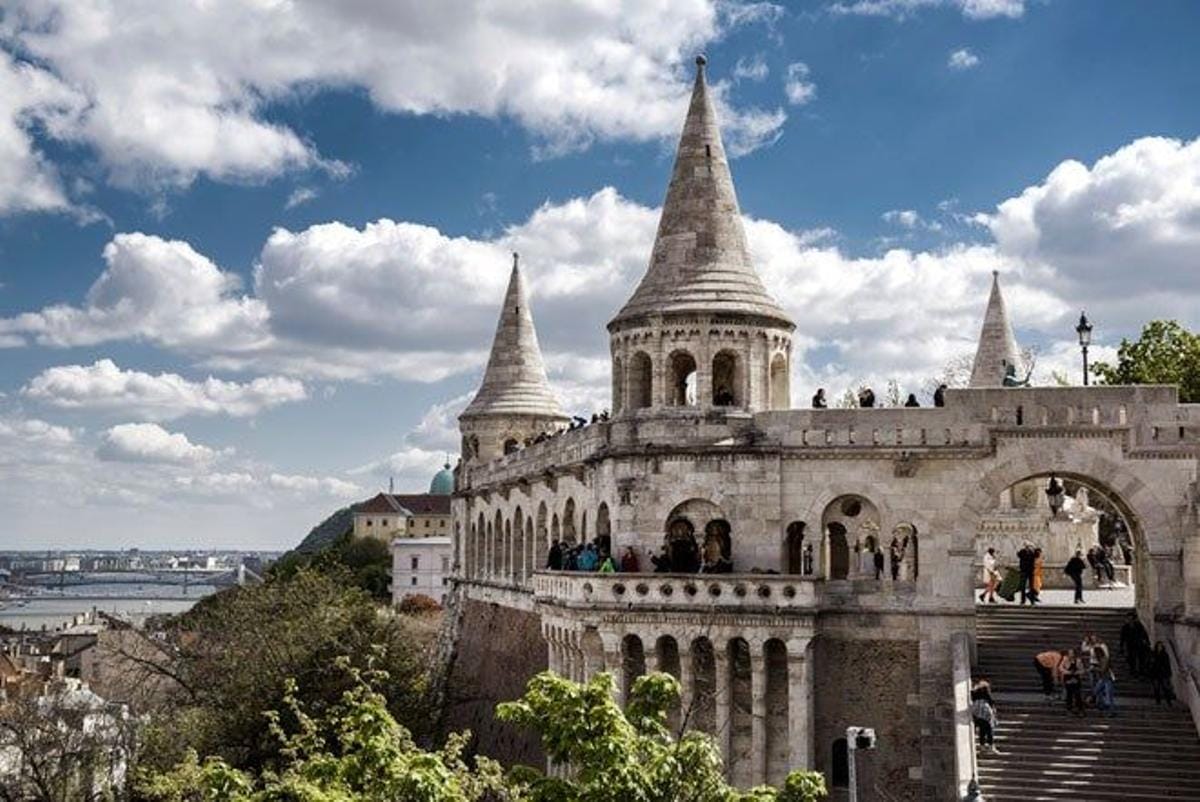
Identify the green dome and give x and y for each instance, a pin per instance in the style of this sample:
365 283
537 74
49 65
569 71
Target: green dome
443 482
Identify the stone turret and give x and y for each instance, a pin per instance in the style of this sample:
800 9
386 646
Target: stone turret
997 345
514 401
700 329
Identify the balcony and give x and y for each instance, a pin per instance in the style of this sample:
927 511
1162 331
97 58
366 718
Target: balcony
675 591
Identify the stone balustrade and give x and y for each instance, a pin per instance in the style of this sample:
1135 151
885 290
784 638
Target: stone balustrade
631 591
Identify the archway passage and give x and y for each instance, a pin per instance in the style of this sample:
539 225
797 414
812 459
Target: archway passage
682 548
726 380
794 549
850 523
683 379
839 551
698 534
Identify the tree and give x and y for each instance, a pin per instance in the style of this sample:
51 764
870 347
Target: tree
229 657
366 560
1165 353
357 752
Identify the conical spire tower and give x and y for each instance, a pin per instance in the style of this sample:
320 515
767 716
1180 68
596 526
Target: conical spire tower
700 262
997 345
515 382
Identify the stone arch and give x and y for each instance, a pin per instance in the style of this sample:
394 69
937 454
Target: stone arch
618 385
489 551
633 661
531 549
498 546
847 522
507 566
519 545
793 549
583 526
604 529
727 379
592 647
683 374
555 532
640 386
684 530
568 522
779 708
904 537
481 535
780 382
701 710
741 712
1151 527
468 567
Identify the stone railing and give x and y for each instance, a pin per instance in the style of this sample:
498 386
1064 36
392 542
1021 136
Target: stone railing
569 447
627 591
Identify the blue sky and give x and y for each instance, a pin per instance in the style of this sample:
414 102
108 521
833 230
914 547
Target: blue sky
250 256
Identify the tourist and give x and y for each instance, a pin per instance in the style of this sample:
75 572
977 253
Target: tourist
587 560
571 560
1160 675
1039 567
939 396
983 713
878 558
1025 560
1075 568
818 400
1106 565
808 559
1106 692
1095 652
991 576
1048 666
895 556
982 689
1135 644
555 561
629 561
723 397
1121 533
912 401
1072 681
608 565
866 398
662 561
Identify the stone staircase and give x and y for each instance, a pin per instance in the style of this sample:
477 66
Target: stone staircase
1144 753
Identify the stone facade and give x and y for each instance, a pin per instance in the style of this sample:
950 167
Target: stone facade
801 640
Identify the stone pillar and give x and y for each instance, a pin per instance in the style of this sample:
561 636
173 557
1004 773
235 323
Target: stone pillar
722 698
612 663
687 684
758 713
800 705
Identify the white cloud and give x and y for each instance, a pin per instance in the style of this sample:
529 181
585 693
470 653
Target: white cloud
910 219
797 85
903 9
156 290
33 431
104 386
751 69
149 442
299 196
164 93
313 485
962 59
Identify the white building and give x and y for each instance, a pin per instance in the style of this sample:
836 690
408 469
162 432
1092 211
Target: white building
422 550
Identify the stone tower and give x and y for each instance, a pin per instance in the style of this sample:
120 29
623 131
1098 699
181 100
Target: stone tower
997 345
700 330
514 401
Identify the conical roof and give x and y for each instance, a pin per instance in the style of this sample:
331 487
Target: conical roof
997 345
515 381
700 262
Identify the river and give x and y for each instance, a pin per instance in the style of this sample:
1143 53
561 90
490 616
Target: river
133 602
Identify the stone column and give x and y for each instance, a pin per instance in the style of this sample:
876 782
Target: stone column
612 663
758 713
722 718
687 684
800 704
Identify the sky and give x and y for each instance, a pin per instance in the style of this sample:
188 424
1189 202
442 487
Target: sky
252 252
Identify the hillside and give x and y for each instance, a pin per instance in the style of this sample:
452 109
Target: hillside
325 533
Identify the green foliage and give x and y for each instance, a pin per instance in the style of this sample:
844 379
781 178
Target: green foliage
1165 353
365 562
355 751
231 655
625 756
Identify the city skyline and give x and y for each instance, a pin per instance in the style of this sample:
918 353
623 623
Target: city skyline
248 288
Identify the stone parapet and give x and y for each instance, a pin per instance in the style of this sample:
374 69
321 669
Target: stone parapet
631 591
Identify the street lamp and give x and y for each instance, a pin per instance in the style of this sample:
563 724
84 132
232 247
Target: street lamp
1055 494
1084 330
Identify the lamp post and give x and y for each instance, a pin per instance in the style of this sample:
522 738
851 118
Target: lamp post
1054 494
1084 330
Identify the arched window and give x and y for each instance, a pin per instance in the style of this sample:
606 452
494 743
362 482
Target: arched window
604 529
683 379
726 380
839 552
780 383
511 445
795 549
568 521
618 385
641 380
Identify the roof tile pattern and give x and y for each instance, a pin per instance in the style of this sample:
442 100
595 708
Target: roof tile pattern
700 262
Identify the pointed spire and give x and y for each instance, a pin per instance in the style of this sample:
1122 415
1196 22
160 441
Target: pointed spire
515 382
997 345
700 262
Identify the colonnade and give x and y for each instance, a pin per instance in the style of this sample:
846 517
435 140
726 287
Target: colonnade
752 693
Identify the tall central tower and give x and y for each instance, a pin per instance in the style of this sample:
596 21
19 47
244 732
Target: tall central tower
700 330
